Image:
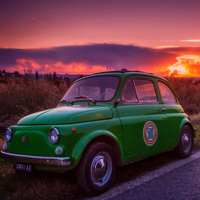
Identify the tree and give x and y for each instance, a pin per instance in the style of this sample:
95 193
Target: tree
46 77
36 75
54 76
67 80
17 74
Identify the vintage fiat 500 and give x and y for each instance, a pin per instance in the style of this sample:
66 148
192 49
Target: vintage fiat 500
104 120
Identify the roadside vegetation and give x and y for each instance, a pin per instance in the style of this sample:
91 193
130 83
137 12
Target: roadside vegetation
20 97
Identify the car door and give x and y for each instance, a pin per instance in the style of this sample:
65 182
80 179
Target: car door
174 112
142 116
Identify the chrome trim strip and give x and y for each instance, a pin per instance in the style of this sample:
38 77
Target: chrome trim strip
51 161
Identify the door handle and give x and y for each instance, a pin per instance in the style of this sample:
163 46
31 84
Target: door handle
162 109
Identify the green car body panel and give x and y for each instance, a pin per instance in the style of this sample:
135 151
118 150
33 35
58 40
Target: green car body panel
119 123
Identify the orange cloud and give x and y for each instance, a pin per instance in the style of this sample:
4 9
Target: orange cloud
77 68
58 67
186 66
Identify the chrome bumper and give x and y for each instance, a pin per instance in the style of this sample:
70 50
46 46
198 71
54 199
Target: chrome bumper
37 160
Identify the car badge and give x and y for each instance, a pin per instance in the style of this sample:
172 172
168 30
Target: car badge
24 138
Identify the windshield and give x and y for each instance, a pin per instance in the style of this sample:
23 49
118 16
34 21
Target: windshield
99 88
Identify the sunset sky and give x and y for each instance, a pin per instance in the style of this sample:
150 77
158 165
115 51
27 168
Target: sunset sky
88 36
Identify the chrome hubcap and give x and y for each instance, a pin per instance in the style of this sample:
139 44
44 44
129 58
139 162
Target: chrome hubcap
186 142
101 168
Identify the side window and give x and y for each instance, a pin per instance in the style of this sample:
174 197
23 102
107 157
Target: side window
129 94
145 91
166 93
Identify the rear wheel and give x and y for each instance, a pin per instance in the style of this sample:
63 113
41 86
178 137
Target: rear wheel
96 170
185 146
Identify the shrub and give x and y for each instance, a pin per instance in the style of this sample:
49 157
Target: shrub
188 92
19 98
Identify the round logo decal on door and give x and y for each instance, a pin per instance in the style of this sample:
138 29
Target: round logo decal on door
150 133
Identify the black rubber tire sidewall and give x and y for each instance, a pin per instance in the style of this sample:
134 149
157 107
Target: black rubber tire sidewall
83 171
179 149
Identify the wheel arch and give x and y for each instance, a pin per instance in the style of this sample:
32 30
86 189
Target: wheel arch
110 141
187 122
99 136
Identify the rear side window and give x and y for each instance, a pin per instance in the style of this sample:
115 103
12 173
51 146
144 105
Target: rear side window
166 93
145 91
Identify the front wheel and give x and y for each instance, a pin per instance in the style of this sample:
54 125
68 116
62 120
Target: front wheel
185 146
96 170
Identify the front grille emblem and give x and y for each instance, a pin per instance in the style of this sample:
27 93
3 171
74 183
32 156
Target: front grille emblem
24 138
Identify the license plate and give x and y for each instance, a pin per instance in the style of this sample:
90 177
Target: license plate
24 167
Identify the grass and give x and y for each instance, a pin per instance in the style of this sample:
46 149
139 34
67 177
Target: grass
63 186
196 121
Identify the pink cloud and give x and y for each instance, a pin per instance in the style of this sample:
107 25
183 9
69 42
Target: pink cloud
59 67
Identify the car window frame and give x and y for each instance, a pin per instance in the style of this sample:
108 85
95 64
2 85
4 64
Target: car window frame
124 88
140 103
171 89
99 101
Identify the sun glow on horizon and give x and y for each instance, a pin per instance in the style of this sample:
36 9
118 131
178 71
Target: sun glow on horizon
184 66
180 69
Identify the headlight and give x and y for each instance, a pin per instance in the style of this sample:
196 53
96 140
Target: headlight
54 136
8 135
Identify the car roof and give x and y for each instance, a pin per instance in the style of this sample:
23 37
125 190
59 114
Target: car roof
125 73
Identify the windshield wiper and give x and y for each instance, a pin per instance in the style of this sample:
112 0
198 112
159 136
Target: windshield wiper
85 97
65 101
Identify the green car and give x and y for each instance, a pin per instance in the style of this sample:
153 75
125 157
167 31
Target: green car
104 120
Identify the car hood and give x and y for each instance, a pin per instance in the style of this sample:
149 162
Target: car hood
67 115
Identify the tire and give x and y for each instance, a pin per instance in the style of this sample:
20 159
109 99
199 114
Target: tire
97 168
185 146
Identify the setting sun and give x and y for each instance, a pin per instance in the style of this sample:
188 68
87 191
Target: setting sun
179 69
186 65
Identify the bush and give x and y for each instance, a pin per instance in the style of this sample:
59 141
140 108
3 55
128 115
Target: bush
188 92
19 98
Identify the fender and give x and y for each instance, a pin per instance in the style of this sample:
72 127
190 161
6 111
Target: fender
188 122
77 152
